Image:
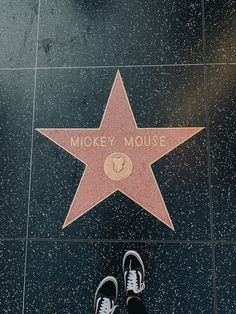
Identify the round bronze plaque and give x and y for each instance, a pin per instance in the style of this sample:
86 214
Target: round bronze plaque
118 166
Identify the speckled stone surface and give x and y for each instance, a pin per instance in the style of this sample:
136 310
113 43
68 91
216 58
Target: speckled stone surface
220 30
222 119
18 33
81 45
11 275
115 33
226 278
16 103
178 277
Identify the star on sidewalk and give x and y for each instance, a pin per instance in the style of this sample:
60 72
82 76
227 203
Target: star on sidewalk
118 157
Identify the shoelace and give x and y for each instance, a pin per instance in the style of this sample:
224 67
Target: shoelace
106 308
132 282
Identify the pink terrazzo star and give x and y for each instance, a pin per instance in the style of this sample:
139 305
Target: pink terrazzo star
118 157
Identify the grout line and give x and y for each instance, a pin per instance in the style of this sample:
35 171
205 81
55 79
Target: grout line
152 241
214 279
220 63
117 66
31 161
209 157
207 131
15 69
103 66
124 66
210 191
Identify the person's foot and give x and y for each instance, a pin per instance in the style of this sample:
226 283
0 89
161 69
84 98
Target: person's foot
105 296
134 274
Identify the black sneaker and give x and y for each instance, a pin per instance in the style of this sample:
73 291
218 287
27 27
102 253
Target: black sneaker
134 273
105 296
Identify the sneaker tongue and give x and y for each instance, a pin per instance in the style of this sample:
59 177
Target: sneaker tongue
130 266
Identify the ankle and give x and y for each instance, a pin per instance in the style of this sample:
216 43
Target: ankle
128 298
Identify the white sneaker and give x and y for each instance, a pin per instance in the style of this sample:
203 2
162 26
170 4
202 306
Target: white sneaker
134 273
105 296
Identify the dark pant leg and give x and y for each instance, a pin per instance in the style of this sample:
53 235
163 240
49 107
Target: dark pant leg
135 306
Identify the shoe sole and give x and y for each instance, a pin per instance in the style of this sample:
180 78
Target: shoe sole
134 253
108 278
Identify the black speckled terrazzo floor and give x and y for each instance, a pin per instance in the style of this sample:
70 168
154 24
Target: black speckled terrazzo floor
58 60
